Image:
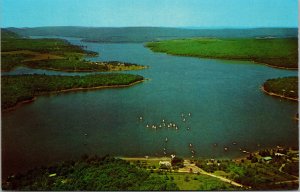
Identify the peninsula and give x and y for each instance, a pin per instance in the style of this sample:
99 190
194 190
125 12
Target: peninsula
59 55
52 54
286 87
23 88
274 52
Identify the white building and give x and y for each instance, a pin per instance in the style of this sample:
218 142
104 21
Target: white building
166 163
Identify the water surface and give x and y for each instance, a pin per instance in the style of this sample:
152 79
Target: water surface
223 97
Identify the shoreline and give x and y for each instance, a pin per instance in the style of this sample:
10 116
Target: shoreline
168 158
148 159
277 95
94 88
17 105
165 158
126 158
90 70
277 67
75 71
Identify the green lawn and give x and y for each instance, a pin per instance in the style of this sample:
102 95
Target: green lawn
15 89
275 52
188 181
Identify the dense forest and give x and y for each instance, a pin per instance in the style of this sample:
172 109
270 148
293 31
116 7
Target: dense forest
11 41
276 52
91 174
285 86
15 89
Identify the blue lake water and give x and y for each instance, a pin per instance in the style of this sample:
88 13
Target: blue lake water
223 97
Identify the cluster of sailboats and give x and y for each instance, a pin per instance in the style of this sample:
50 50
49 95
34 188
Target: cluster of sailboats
172 125
165 124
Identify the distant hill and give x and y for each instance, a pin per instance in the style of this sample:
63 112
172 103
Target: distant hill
7 34
148 34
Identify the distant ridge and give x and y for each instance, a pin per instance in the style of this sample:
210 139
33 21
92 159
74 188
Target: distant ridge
147 34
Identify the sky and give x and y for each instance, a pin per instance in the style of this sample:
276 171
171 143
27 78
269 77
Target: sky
164 13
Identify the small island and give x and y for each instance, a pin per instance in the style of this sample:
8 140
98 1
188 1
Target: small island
52 54
274 52
24 88
285 87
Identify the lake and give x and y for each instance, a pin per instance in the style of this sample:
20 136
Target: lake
227 109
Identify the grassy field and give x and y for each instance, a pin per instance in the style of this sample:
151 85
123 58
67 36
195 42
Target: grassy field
283 87
51 54
15 89
280 172
281 53
192 182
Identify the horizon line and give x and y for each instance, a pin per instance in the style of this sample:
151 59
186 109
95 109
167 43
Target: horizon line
179 27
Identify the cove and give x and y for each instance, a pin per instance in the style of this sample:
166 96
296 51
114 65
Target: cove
223 97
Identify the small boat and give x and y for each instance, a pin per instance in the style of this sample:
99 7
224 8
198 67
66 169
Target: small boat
166 139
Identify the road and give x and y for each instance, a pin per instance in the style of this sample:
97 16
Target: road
193 168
